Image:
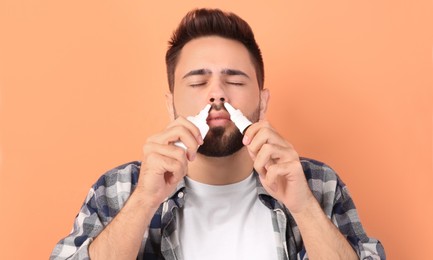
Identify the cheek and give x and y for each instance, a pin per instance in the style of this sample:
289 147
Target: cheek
246 102
184 108
187 104
179 103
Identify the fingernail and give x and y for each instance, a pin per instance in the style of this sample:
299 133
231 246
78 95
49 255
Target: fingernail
246 140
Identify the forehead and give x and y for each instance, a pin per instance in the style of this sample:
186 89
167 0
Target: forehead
214 53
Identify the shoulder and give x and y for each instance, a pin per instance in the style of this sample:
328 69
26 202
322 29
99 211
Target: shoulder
125 173
324 182
110 192
318 171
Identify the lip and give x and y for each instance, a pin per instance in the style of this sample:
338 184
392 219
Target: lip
219 118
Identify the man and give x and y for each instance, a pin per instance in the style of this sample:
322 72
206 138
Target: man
229 195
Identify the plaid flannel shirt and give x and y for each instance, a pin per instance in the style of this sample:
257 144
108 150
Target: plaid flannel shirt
107 197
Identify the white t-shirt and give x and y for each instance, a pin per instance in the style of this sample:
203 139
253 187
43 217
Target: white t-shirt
225 222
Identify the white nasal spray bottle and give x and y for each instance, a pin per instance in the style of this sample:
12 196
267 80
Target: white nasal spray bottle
238 118
200 122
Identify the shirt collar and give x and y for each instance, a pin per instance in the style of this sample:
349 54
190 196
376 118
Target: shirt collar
180 187
263 195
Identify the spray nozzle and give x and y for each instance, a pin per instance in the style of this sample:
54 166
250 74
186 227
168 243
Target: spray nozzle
199 121
241 122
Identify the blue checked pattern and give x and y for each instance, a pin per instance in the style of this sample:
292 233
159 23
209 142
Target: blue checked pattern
109 194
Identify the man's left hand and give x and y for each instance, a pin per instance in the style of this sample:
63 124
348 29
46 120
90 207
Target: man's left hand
278 165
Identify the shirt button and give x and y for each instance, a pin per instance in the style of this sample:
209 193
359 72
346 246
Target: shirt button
180 195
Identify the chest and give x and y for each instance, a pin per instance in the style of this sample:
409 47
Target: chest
231 225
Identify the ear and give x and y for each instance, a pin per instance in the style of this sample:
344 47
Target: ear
264 99
170 105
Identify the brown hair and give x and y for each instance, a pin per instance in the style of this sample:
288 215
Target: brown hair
206 22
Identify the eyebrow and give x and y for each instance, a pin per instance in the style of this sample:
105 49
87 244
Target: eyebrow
229 72
232 72
197 72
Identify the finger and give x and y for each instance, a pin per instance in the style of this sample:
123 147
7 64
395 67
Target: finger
171 169
278 175
189 125
252 130
276 172
178 133
265 185
170 151
266 136
174 133
260 139
268 155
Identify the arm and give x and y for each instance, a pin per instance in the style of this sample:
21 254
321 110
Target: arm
282 176
121 239
107 227
321 237
163 166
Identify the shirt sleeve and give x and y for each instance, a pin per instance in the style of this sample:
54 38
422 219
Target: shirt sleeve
336 202
87 226
104 200
345 217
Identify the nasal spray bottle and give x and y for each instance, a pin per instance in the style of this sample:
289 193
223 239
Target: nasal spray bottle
241 122
200 122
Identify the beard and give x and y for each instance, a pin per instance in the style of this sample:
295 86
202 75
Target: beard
219 142
224 141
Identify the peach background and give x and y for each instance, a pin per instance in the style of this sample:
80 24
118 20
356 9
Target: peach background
82 86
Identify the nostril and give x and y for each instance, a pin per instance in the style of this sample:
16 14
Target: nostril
212 99
222 99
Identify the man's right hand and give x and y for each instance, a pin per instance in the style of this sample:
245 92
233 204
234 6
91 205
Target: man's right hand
164 164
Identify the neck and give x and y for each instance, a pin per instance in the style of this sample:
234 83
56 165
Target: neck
221 170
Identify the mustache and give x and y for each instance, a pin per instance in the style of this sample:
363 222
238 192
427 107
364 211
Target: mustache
214 107
217 107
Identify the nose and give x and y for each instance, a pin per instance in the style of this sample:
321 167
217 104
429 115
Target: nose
217 95
213 99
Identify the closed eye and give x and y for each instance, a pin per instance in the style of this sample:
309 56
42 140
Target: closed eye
235 83
197 84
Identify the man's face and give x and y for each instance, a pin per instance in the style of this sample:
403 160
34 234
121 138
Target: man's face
212 70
